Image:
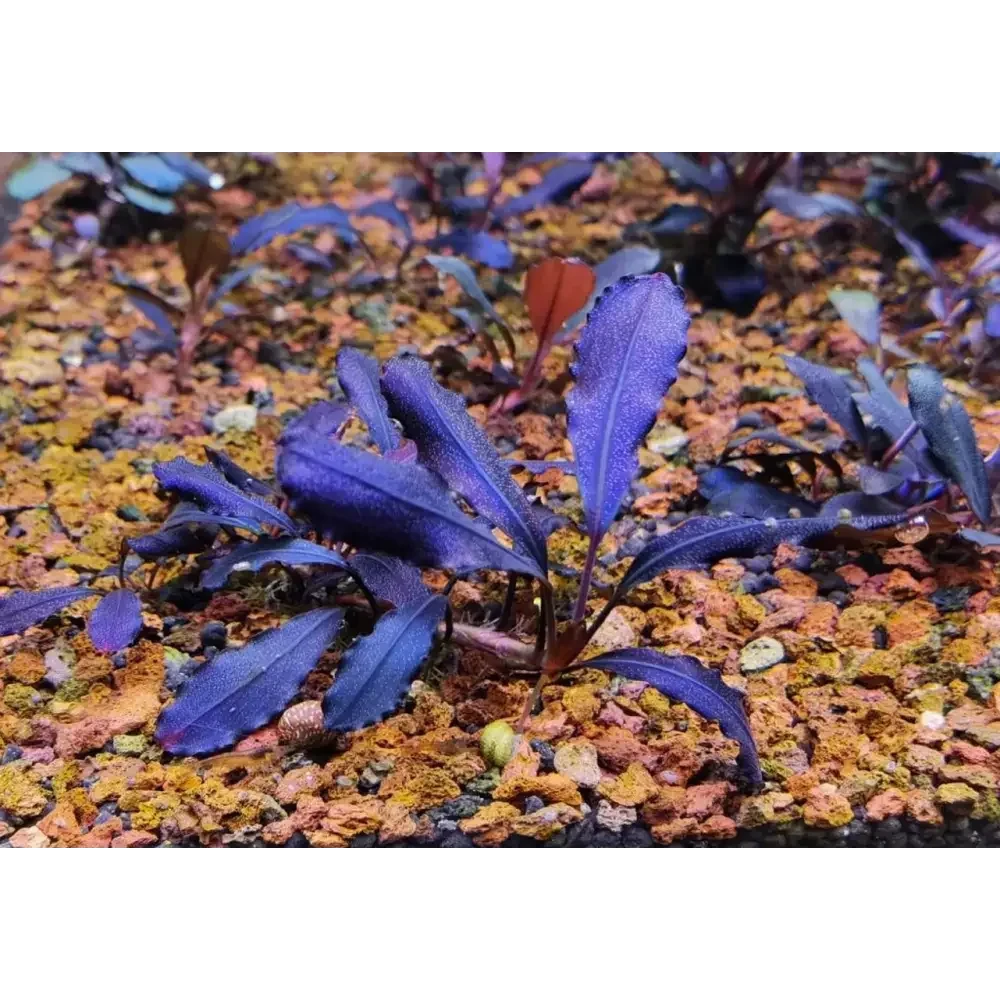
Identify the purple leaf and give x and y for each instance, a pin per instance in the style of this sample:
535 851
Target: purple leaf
730 491
480 247
193 171
240 690
203 485
557 185
702 541
387 211
627 359
860 311
256 555
231 282
308 254
831 392
991 321
966 233
987 262
401 509
800 205
376 671
288 219
454 446
24 608
621 264
714 178
323 418
858 505
466 278
358 374
152 172
918 252
685 679
388 578
155 310
950 436
116 621
238 476
980 538
180 540
188 513
888 414
493 163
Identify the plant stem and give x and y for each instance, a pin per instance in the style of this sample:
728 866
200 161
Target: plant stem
580 612
898 445
508 603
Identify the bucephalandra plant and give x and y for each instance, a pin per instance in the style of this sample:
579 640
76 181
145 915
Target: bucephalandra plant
376 518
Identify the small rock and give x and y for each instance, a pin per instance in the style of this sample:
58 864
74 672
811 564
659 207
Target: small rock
533 803
891 802
134 838
29 836
760 654
241 417
131 746
615 818
956 797
578 761
826 808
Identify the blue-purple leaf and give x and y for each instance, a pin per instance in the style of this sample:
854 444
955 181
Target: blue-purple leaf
323 418
686 679
193 171
702 541
147 200
800 205
387 211
155 310
237 475
401 509
176 541
714 178
152 172
358 374
557 185
116 621
203 485
388 578
24 608
480 247
621 264
240 690
454 446
185 514
858 504
950 436
466 278
887 413
232 281
991 321
256 555
860 311
376 671
831 392
730 491
627 359
34 179
288 219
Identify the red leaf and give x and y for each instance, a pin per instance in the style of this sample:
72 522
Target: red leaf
553 291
